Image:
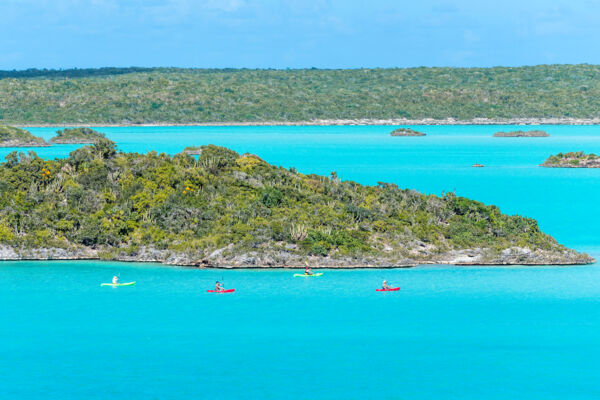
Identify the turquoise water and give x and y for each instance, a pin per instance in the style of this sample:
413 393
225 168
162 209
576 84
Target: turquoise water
451 333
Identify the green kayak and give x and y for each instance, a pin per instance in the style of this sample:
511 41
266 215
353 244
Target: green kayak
118 284
308 276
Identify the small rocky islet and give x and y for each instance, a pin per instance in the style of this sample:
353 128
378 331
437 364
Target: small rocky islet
533 133
577 159
17 137
11 136
77 136
406 132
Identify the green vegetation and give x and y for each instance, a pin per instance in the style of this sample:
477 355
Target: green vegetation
522 134
171 95
15 137
572 160
406 132
117 203
77 136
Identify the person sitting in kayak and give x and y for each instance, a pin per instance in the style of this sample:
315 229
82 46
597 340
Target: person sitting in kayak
385 285
115 280
219 287
307 271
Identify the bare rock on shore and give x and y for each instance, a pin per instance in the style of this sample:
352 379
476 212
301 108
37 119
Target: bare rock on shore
193 150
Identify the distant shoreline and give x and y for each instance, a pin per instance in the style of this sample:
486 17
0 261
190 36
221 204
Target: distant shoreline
345 122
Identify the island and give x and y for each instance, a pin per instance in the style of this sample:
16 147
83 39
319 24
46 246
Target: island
406 132
534 133
572 160
16 137
77 136
230 210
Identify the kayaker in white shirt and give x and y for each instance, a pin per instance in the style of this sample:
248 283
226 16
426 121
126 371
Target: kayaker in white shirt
115 280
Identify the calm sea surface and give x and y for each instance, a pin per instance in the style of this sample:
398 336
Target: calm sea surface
450 333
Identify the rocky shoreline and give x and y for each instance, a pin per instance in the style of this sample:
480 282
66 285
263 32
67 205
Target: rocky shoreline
217 259
18 143
72 141
365 121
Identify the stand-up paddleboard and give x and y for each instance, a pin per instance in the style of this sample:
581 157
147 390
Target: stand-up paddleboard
221 291
394 289
309 276
118 284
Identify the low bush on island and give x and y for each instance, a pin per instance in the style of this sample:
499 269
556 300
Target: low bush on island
237 209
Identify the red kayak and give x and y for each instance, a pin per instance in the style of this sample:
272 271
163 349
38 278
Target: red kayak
221 291
394 289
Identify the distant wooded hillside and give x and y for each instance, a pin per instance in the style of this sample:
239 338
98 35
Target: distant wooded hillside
171 95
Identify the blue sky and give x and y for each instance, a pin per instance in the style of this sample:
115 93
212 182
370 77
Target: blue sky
296 34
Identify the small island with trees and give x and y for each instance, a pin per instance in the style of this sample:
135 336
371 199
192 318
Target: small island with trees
77 136
534 133
224 209
572 160
16 137
406 132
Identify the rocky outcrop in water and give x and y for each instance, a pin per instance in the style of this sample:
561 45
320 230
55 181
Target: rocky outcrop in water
534 133
572 160
406 132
